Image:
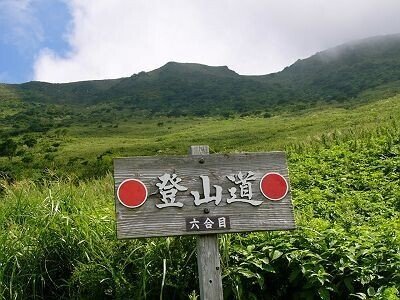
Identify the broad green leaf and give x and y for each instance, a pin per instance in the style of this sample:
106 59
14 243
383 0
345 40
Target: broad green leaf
276 254
323 293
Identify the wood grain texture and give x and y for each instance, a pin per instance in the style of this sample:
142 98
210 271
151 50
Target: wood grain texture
208 265
150 221
208 258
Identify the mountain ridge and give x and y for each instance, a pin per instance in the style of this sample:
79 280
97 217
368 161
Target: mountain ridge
338 74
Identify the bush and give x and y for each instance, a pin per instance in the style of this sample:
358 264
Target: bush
8 148
58 238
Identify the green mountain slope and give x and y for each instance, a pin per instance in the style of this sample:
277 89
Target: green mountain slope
345 71
72 93
355 70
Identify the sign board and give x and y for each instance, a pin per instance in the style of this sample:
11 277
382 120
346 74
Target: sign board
189 195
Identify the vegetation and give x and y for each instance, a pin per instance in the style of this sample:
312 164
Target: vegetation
75 146
58 237
58 231
57 223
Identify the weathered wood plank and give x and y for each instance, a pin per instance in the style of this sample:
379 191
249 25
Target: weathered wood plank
150 221
147 220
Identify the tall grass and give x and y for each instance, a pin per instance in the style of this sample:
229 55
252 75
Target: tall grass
58 241
57 237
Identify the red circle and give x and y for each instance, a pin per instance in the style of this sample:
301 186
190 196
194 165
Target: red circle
274 186
132 193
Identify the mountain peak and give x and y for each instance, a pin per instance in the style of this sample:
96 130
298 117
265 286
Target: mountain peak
194 68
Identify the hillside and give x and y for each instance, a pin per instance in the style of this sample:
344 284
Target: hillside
59 237
357 70
345 71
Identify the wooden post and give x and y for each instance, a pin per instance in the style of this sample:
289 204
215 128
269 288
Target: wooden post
208 260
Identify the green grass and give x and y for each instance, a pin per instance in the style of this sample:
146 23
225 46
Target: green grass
57 236
222 135
81 148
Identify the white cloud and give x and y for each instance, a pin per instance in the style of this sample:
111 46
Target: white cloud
110 39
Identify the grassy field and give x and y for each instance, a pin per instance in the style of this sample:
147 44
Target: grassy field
57 236
69 150
154 136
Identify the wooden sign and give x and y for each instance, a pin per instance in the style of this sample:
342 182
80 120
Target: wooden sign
188 195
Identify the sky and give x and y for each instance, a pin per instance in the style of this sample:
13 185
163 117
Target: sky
74 40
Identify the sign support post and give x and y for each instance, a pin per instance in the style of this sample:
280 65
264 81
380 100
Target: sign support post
208 258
